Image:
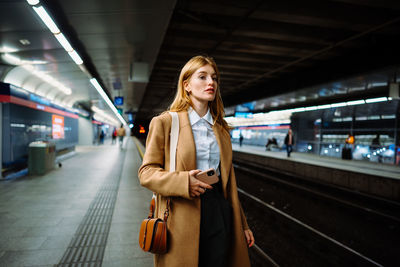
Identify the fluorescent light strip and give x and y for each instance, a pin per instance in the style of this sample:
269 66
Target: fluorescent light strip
48 79
6 49
375 100
311 108
44 16
13 60
324 106
46 19
64 42
356 102
341 104
77 59
99 89
33 2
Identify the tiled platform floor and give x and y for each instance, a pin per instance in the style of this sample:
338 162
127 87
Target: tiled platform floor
40 214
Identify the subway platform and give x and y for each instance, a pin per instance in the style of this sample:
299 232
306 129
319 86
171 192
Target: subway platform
86 213
381 180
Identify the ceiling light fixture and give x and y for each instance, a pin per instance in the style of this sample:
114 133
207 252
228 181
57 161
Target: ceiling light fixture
100 90
50 80
49 22
356 102
64 42
6 49
24 41
77 59
375 100
341 104
33 2
14 60
45 17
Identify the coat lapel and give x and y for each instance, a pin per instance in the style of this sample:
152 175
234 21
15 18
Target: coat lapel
225 154
186 152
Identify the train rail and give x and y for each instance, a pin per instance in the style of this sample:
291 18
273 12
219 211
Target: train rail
321 225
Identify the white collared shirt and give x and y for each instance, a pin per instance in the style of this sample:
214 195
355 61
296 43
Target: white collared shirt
207 149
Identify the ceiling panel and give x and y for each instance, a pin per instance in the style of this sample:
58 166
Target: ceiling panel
283 51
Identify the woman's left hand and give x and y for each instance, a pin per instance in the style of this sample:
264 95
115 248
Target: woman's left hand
249 237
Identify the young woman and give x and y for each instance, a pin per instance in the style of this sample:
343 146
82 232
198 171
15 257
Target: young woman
206 224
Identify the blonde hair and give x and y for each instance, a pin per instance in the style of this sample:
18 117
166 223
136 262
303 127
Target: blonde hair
182 100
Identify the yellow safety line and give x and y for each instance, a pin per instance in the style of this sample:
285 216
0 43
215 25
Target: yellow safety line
138 147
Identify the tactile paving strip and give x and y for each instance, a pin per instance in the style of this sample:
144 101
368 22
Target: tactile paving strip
87 247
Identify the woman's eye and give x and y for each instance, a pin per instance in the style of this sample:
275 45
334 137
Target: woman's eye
214 78
202 77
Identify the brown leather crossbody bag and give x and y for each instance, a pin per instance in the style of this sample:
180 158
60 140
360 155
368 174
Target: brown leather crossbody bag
153 231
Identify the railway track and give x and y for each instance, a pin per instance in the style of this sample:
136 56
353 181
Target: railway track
299 223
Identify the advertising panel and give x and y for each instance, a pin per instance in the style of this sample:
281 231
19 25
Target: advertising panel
57 127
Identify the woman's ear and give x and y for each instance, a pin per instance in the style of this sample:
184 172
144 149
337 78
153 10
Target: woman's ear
186 86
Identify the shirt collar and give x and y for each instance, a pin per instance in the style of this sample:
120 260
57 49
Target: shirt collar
194 117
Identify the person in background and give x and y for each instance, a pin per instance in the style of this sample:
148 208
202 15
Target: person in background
240 139
271 143
376 142
206 224
289 142
102 135
121 134
114 136
350 139
347 150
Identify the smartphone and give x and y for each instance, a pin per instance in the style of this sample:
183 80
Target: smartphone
208 176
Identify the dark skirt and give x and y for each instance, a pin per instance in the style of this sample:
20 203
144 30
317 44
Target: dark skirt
215 228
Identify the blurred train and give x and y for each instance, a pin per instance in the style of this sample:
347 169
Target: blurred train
374 126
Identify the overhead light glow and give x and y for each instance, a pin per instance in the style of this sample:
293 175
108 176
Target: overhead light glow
298 109
336 105
33 2
44 16
311 108
50 80
100 90
379 84
324 106
14 60
356 102
374 100
77 59
64 42
24 41
6 49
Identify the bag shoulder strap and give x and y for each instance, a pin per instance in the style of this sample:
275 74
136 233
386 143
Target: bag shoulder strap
172 155
173 140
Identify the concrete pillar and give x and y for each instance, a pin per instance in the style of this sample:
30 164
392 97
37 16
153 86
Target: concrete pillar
85 132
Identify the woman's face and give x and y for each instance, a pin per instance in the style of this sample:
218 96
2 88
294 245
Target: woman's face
202 86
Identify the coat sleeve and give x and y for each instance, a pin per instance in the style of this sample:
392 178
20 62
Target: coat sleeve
152 173
244 220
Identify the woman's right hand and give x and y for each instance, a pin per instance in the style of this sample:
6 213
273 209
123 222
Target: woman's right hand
196 187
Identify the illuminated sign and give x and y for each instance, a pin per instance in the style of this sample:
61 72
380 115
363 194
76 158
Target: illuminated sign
58 127
118 100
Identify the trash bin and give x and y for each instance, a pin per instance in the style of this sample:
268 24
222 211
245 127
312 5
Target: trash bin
41 157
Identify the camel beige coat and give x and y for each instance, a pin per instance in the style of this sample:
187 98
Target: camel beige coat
184 219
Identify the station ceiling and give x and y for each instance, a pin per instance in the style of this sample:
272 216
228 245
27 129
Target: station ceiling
285 51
